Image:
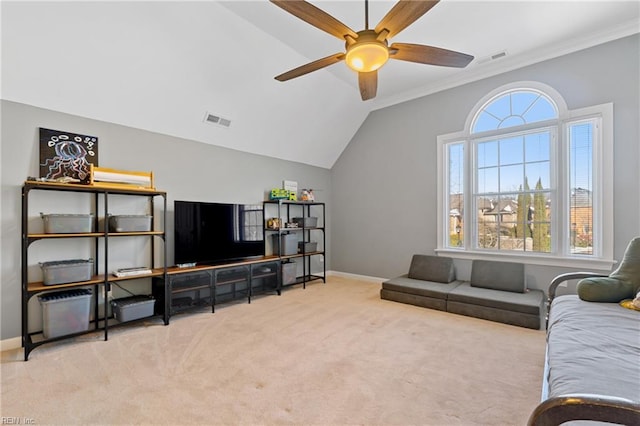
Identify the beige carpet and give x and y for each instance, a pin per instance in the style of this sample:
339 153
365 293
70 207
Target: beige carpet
333 354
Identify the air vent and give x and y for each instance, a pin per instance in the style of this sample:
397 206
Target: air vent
217 120
493 57
498 55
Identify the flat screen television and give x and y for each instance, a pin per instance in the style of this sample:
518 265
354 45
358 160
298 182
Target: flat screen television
214 233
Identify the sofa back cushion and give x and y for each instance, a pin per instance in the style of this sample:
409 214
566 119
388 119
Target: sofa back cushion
505 276
432 268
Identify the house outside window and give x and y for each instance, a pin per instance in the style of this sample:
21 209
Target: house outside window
528 179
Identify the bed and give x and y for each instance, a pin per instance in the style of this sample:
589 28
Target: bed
592 366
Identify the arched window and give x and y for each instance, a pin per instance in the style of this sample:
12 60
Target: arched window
514 108
526 177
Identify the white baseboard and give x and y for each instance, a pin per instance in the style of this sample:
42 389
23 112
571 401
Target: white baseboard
356 276
9 344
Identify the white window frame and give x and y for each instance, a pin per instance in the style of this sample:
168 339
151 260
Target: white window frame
602 257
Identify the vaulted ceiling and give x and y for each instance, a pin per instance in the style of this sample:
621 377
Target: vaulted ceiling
163 66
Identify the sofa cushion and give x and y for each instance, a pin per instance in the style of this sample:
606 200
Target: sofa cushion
413 299
530 302
432 268
623 283
603 289
505 276
404 284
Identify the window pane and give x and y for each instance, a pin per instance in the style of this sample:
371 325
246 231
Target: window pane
485 122
511 121
486 223
538 172
511 178
514 109
488 180
487 154
541 222
500 107
456 196
541 110
522 101
506 217
537 146
581 187
512 150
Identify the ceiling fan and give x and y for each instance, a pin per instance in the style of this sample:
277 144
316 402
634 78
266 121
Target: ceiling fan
367 50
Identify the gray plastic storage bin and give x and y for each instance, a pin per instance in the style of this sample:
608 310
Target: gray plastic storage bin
67 223
130 223
308 247
66 271
289 272
307 222
65 312
133 307
288 243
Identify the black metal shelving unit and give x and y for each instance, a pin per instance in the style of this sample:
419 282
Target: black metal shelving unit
31 340
286 211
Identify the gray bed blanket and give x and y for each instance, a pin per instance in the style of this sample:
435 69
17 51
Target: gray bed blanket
593 348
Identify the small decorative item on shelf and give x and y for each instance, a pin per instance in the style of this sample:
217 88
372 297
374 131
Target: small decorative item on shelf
274 223
307 195
66 156
279 194
291 225
112 178
292 187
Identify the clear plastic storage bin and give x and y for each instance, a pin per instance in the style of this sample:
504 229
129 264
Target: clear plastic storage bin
65 312
67 223
133 307
289 272
130 223
66 271
285 245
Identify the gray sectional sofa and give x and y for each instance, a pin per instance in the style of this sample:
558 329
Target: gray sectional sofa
495 292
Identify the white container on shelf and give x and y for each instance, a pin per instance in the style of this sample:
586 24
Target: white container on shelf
67 223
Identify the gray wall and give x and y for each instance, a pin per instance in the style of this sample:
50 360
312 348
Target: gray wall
384 184
187 170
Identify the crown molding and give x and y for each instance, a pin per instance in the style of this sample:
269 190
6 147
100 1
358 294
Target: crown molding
510 63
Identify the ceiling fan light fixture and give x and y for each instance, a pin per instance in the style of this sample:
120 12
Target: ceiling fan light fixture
367 53
367 57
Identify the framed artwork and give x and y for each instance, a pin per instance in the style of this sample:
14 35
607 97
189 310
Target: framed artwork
66 154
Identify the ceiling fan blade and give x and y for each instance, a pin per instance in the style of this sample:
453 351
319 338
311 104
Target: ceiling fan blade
310 67
316 17
368 82
403 14
429 55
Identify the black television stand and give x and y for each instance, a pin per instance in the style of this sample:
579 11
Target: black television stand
194 287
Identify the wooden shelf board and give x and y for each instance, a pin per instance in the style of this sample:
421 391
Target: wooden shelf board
69 235
134 234
38 286
93 234
176 270
35 287
93 188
